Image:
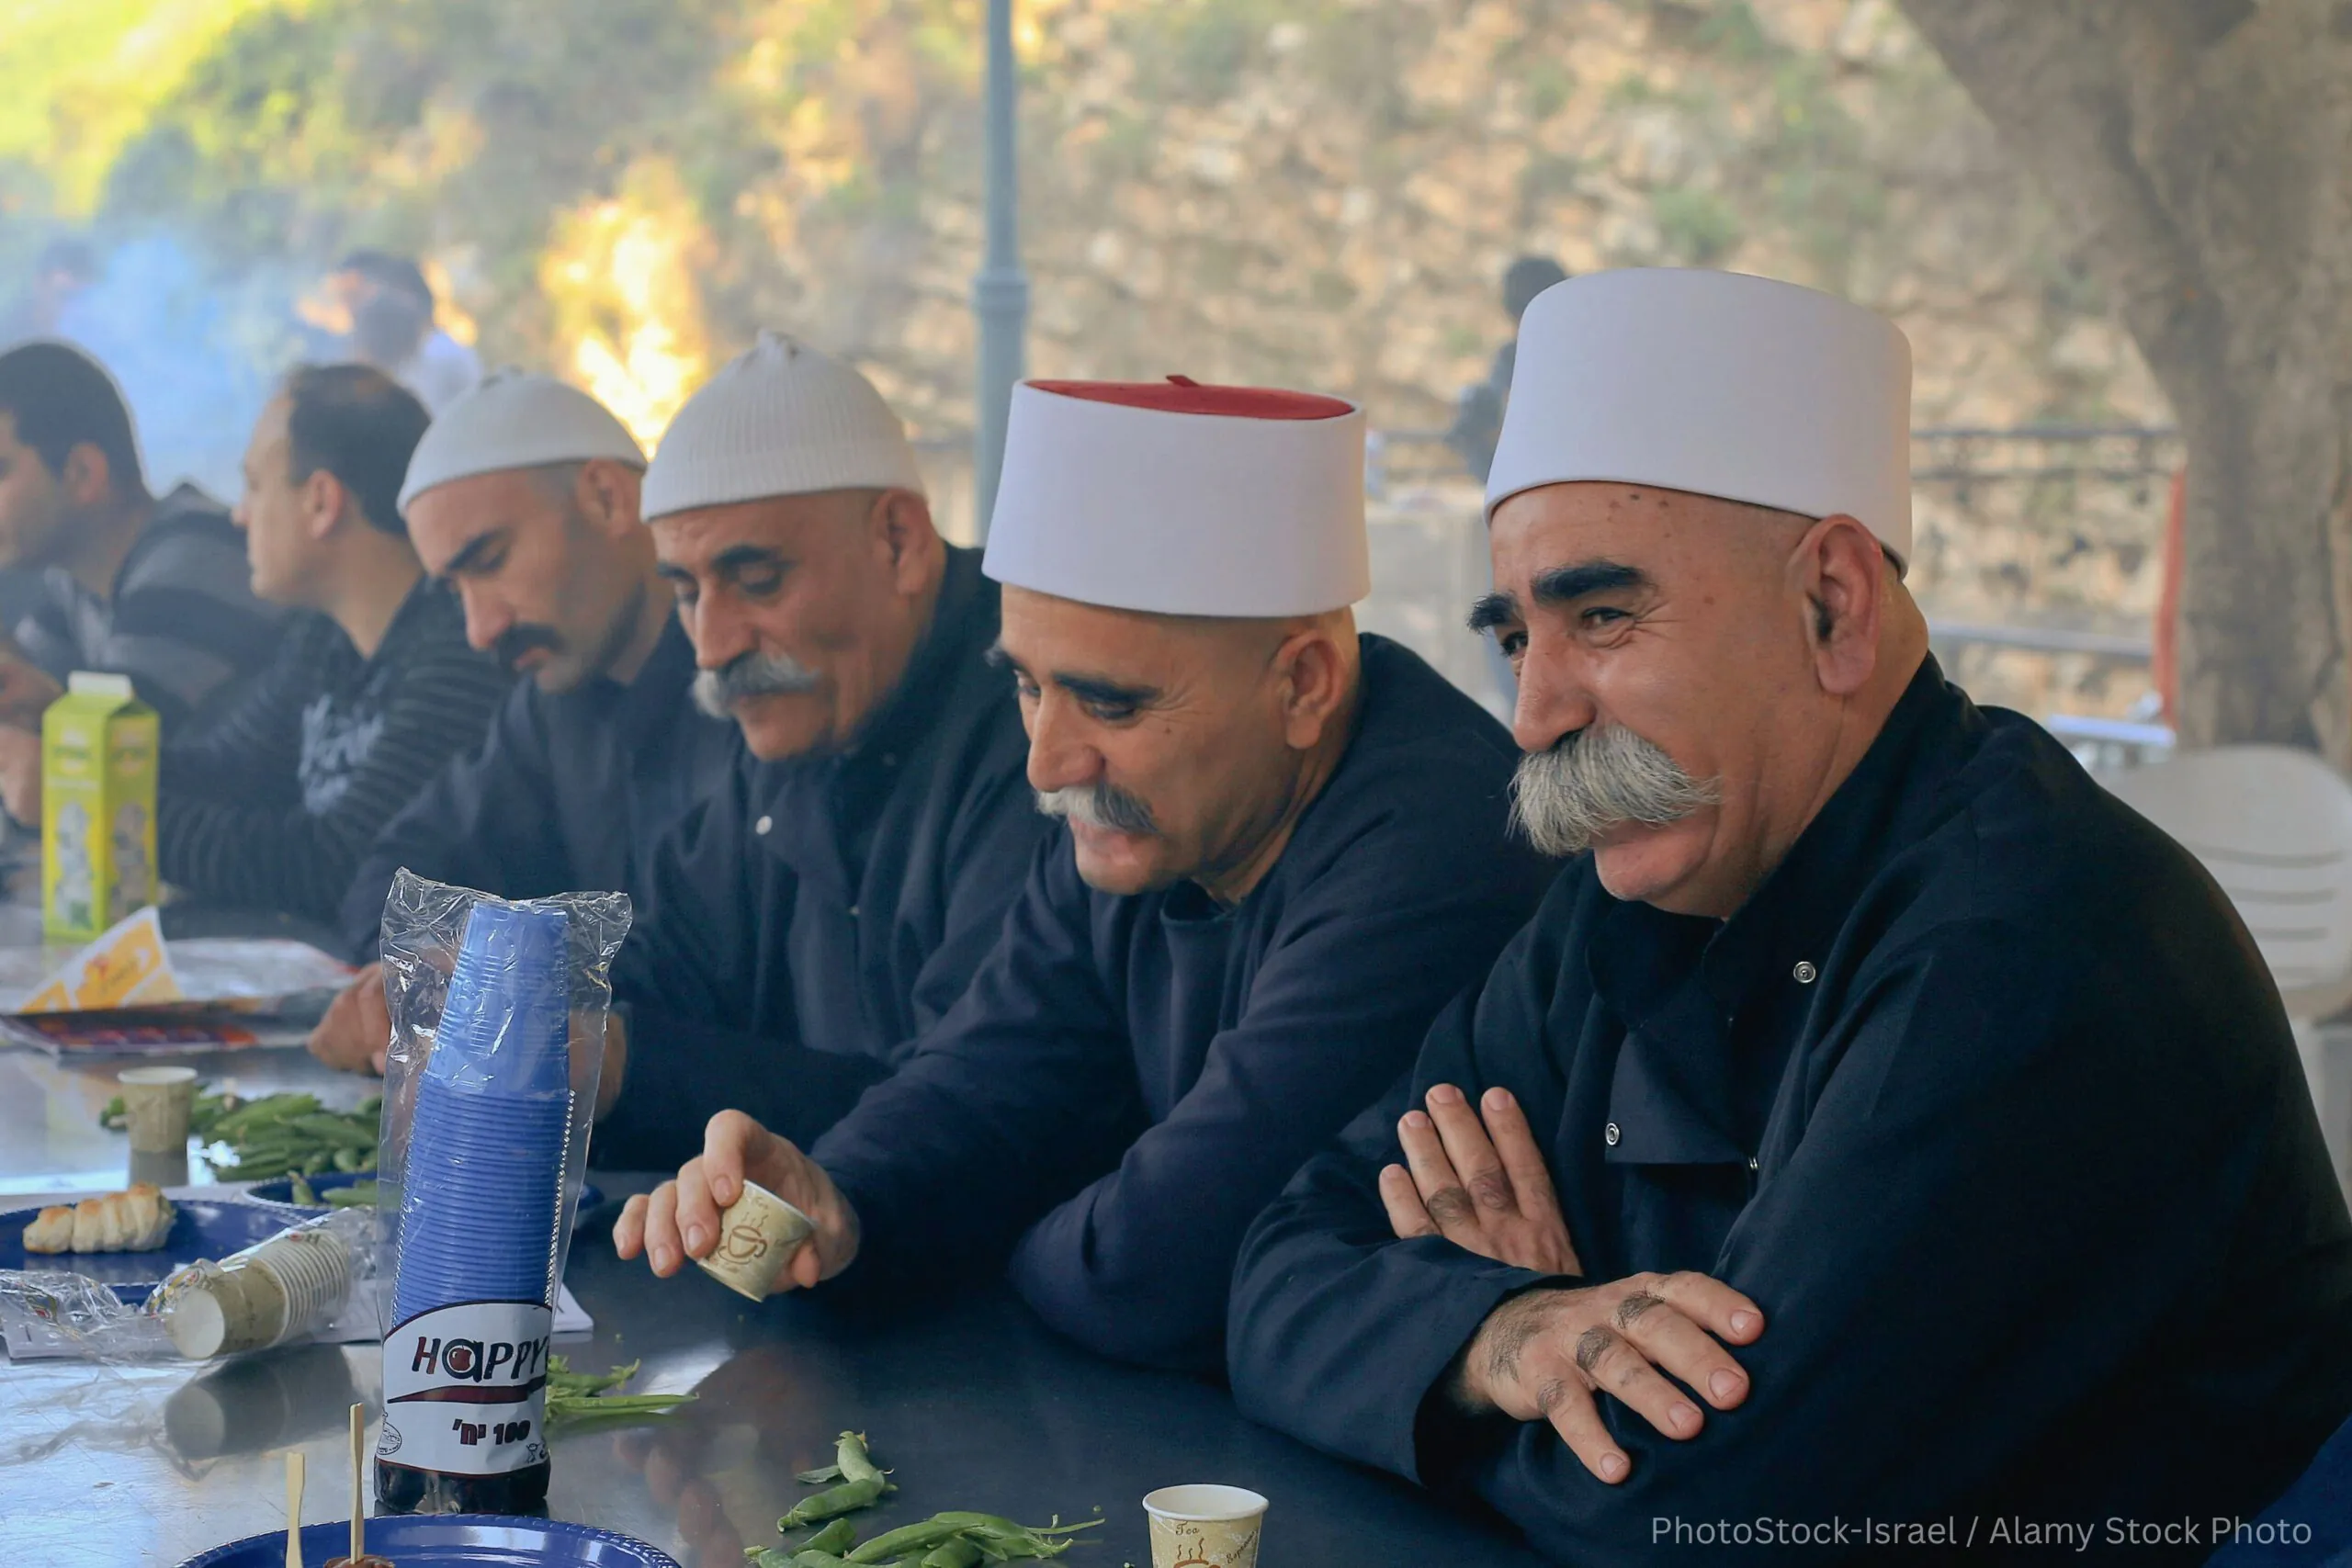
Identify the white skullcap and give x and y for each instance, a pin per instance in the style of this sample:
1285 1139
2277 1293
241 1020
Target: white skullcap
1716 383
778 419
1181 498
515 419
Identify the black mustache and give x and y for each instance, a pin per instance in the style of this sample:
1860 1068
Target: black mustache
513 643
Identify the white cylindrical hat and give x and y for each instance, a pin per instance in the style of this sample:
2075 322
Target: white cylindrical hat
1183 500
1716 383
515 419
778 419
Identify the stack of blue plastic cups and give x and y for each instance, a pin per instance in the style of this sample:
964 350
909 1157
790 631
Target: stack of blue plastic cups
481 1189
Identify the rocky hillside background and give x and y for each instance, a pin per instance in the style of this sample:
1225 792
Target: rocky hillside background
1313 192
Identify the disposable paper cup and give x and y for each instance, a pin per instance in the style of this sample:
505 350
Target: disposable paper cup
158 1101
1204 1527
314 1268
757 1237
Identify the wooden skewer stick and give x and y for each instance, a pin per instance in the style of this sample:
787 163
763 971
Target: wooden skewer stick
358 1496
294 1509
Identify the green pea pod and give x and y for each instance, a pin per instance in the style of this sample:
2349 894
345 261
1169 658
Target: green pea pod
824 1477
768 1557
919 1537
848 1497
349 1160
856 1464
835 1538
956 1551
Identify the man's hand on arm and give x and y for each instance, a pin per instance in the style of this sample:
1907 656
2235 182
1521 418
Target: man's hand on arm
1486 1189
357 1028
679 1219
1546 1355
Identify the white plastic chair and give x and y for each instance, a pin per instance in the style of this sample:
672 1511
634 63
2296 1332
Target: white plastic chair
2274 826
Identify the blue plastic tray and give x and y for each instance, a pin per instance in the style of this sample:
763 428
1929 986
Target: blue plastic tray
204 1227
449 1540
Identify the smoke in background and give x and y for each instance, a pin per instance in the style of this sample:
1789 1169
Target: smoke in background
195 351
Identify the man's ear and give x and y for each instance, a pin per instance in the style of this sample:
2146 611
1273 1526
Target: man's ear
606 493
910 543
89 477
1839 570
324 502
1311 679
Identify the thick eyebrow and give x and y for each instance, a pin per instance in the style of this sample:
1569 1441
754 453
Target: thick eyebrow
1492 610
465 561
1087 688
1566 584
737 558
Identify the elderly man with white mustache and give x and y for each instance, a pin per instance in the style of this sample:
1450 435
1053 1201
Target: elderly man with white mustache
808 921
1879 1127
1285 848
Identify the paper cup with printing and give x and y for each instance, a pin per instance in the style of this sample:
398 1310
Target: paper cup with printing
758 1234
157 1101
1204 1527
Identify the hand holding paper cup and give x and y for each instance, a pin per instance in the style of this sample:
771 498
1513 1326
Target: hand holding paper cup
758 1234
1204 1527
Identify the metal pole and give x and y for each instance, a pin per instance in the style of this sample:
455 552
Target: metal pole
1001 290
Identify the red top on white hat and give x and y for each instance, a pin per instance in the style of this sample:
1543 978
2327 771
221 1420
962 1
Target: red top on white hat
1181 394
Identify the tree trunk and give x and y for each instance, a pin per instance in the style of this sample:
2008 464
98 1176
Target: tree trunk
2201 150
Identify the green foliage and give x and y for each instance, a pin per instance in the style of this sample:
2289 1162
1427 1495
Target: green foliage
1696 227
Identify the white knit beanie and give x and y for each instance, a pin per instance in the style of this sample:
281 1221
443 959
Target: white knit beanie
778 419
515 419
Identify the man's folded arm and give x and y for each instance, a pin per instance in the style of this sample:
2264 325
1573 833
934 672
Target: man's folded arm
1950 1264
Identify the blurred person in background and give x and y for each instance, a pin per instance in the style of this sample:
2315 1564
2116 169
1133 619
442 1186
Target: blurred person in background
370 693
389 307
65 268
155 589
1478 411
523 498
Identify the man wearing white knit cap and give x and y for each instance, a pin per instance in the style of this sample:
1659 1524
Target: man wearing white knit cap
833 900
1879 1122
523 497
1285 847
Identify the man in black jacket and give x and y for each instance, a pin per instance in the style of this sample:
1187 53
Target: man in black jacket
523 498
1882 1140
831 901
373 688
1283 849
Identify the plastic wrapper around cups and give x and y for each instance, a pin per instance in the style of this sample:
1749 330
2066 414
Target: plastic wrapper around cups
310 1281
498 1014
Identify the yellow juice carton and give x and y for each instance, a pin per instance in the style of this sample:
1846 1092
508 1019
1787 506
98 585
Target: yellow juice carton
97 806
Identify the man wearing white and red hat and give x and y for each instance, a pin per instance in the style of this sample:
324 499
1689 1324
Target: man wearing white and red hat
1879 1124
1285 847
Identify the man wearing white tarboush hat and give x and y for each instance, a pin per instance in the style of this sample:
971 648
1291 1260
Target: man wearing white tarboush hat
1879 1122
828 904
522 499
1285 848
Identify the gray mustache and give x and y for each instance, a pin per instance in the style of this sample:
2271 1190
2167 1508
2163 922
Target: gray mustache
752 674
1595 780
1104 806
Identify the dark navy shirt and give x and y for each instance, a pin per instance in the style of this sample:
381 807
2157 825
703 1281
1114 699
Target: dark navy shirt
809 919
1131 1078
1985 1098
568 793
